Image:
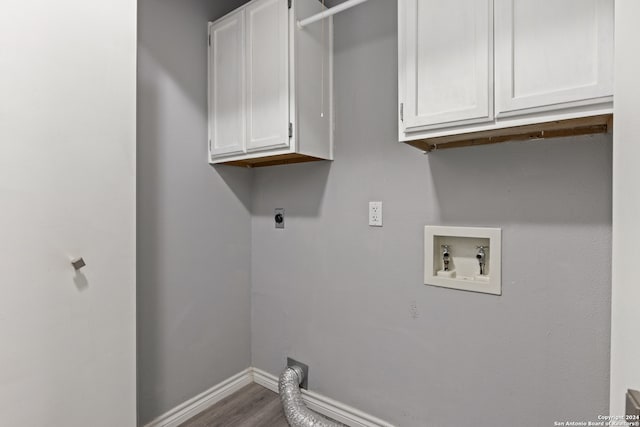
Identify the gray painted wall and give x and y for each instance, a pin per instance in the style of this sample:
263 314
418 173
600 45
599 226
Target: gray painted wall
348 299
193 220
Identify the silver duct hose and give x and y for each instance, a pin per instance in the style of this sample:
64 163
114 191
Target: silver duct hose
297 413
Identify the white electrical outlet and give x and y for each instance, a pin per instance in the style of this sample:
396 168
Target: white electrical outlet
375 214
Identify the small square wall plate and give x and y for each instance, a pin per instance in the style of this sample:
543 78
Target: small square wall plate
463 269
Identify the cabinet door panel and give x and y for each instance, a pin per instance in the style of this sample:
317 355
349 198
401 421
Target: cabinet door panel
226 86
447 65
552 54
267 75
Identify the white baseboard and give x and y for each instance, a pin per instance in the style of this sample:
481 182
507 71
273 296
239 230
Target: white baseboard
317 402
324 405
203 401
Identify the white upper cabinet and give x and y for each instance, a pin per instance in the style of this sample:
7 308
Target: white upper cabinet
471 67
226 86
270 85
447 66
267 74
553 54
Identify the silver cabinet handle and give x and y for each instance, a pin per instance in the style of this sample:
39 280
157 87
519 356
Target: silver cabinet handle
78 263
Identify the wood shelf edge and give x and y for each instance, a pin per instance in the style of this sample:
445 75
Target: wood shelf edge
280 159
554 129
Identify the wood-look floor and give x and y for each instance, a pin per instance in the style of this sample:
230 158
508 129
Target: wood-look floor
252 406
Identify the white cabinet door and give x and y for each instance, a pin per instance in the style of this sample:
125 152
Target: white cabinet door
227 86
446 65
68 189
552 54
267 74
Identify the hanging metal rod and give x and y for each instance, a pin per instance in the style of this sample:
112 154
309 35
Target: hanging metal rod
329 12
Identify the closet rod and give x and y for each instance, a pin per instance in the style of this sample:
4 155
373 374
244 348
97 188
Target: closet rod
329 12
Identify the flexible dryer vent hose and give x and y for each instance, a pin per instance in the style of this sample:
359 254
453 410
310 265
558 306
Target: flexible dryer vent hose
297 413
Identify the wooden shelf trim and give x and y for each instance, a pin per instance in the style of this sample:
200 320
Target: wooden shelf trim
281 159
555 129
